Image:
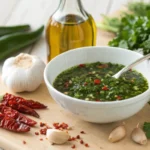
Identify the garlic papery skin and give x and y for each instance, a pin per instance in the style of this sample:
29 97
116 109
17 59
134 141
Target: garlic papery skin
55 136
117 134
138 136
23 72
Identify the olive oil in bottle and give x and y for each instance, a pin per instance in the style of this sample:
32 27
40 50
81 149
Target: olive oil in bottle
70 27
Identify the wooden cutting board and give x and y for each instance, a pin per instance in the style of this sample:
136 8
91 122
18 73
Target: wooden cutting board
96 134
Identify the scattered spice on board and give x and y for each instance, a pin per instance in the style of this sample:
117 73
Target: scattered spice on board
82 132
43 131
78 137
73 146
42 124
36 133
24 142
86 145
81 142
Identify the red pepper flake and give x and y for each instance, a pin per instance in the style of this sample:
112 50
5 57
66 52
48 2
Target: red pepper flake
97 81
82 65
42 124
60 126
63 125
36 133
66 84
73 139
97 100
55 124
81 142
41 139
24 142
85 83
78 136
86 145
119 98
105 88
82 132
43 131
73 146
103 66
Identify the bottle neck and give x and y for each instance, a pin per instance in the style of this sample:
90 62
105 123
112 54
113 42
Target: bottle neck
70 7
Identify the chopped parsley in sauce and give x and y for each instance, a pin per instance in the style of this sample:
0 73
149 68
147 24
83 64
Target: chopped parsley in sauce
94 82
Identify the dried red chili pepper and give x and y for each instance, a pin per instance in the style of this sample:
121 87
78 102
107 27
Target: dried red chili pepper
21 108
8 111
29 103
12 125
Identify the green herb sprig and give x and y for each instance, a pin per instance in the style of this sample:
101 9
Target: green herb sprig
132 29
146 128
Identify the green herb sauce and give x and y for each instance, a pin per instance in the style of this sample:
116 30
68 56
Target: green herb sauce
94 82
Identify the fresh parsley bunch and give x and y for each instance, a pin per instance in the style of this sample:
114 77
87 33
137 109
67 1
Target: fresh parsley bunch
134 33
132 29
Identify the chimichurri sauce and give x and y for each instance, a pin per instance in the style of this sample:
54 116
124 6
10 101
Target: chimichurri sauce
94 82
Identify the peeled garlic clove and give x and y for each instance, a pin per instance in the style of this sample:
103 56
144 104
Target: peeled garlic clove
139 136
117 134
56 136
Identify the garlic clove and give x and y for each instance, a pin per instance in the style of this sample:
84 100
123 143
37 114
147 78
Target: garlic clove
138 136
117 134
57 136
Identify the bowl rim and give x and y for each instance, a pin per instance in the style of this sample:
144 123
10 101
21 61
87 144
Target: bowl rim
129 100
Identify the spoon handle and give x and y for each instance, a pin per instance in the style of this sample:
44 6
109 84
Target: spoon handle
117 75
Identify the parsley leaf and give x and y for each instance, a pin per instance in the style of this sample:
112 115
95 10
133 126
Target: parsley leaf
146 128
132 30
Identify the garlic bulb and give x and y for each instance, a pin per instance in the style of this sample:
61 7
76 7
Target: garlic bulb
139 136
57 136
117 134
23 72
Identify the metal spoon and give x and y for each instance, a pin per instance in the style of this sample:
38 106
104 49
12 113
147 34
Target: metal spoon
122 71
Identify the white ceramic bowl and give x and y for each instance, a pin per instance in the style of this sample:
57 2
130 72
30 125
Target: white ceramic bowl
98 112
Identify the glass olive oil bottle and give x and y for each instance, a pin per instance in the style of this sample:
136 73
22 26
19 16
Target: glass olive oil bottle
69 27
